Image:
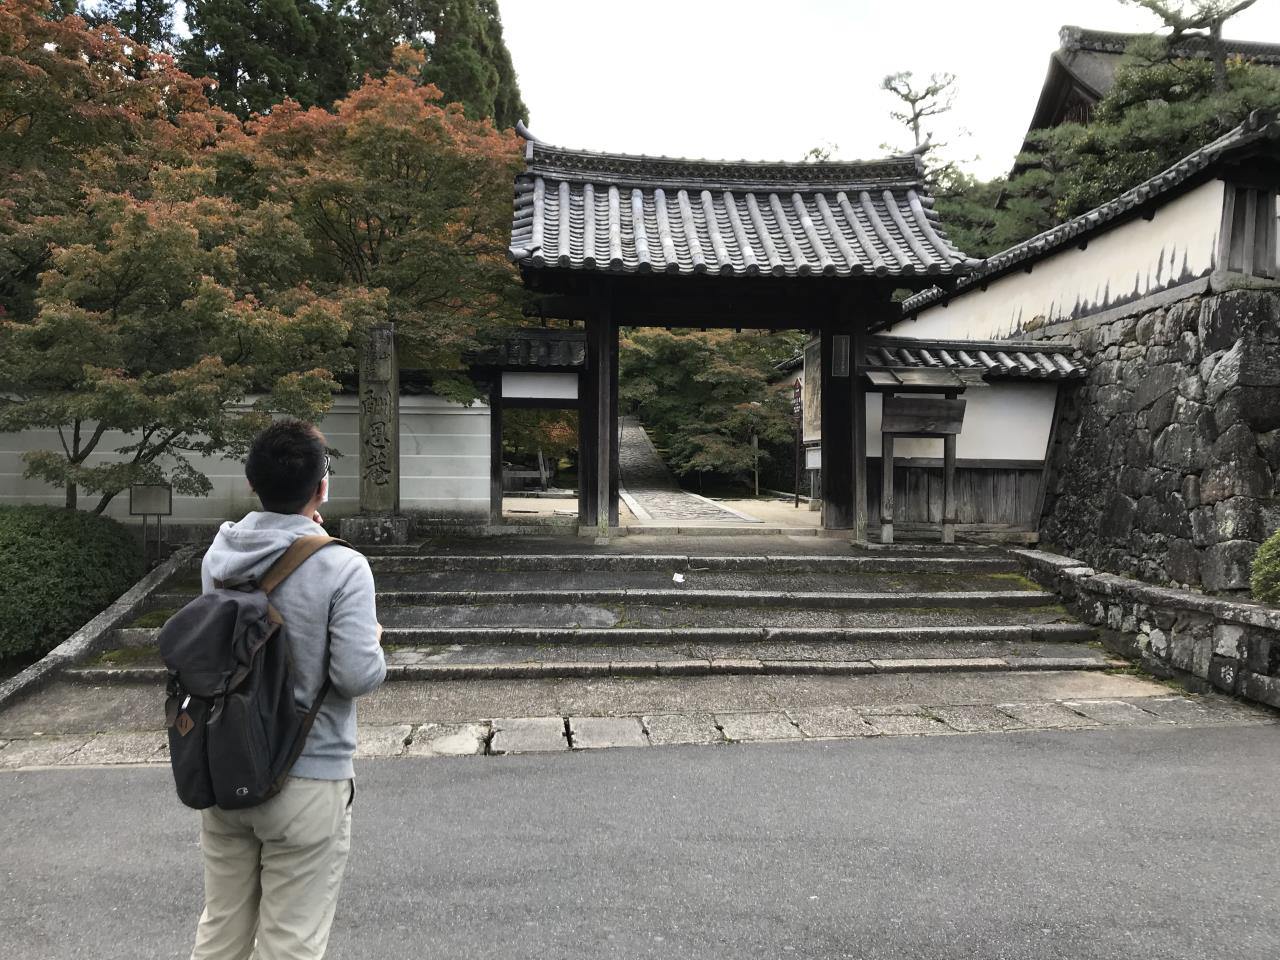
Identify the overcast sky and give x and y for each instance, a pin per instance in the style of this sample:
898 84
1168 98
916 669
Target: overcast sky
768 79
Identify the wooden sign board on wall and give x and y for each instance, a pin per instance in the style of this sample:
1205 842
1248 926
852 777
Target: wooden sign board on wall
921 416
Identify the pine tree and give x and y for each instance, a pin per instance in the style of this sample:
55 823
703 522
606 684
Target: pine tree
262 51
462 39
148 22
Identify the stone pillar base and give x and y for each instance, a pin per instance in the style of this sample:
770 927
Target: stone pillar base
370 529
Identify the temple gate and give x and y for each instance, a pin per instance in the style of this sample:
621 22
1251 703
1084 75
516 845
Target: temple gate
613 240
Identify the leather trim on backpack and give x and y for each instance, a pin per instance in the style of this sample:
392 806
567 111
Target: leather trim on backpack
297 553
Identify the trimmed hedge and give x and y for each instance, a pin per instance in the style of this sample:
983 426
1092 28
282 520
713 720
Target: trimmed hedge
58 570
1266 571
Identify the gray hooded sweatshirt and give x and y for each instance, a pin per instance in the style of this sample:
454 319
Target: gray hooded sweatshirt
332 590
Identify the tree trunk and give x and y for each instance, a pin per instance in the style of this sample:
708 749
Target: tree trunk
71 496
1219 54
103 501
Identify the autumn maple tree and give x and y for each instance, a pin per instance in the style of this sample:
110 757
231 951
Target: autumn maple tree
136 303
394 191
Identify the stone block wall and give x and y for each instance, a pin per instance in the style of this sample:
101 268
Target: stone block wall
1229 645
1166 460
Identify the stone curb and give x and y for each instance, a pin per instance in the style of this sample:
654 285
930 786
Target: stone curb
692 667
94 636
1219 643
1247 612
546 734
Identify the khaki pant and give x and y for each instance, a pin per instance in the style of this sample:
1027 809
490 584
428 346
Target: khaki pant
272 873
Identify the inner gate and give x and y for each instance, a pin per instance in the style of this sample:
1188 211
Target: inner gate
612 240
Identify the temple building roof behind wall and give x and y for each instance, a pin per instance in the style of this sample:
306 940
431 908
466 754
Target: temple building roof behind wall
1083 69
1257 137
612 213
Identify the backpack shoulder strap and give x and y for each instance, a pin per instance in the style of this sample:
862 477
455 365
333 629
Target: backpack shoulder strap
297 553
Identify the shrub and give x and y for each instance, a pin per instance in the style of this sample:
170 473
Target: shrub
1266 571
58 569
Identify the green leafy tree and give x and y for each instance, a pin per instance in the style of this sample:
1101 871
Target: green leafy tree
704 394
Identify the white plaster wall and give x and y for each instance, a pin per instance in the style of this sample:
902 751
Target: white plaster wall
444 461
1002 421
1137 258
543 386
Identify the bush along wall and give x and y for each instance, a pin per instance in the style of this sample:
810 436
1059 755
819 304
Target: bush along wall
1166 461
58 569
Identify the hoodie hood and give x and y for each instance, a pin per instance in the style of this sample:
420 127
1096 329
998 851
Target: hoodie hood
248 547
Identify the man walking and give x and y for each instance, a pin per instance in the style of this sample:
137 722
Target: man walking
272 872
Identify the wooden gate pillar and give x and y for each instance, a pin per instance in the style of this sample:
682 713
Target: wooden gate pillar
837 411
602 430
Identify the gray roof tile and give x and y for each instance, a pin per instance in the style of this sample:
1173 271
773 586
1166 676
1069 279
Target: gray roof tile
994 359
576 210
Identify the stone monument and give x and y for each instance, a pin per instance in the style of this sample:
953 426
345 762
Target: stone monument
379 520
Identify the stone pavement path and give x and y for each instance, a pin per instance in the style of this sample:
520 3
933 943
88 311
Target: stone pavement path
649 486
419 720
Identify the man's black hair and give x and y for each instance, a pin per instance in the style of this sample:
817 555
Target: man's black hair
286 463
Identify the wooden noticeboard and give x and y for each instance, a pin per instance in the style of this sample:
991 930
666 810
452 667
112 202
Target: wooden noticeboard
938 414
921 416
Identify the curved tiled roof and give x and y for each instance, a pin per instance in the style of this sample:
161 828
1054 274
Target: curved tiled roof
994 359
614 213
1104 41
1259 126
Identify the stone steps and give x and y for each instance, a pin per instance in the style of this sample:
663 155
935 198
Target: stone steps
672 658
955 599
985 562
560 608
1063 632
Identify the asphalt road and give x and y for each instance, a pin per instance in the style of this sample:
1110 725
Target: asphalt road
1101 844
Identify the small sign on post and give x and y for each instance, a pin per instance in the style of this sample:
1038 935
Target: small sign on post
148 500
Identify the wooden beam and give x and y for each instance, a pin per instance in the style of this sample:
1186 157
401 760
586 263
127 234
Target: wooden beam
558 307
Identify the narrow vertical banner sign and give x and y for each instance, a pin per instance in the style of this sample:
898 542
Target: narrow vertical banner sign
380 423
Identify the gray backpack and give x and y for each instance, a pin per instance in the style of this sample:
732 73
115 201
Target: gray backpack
234 728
